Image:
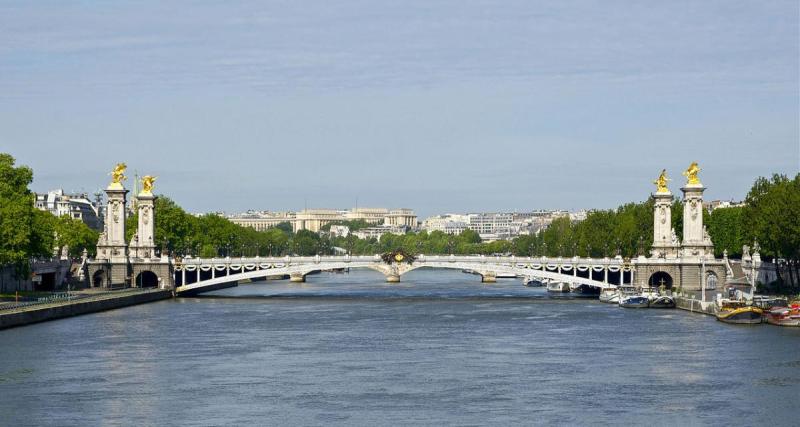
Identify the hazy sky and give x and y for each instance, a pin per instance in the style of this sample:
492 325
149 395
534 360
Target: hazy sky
440 106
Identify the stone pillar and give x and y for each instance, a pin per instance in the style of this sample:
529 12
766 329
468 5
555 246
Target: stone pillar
297 277
696 242
146 226
117 248
392 278
489 277
663 244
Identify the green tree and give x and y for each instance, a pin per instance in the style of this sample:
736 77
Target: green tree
76 235
286 227
17 241
726 230
772 216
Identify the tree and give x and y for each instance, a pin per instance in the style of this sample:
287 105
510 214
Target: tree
76 235
469 236
286 227
772 216
726 231
17 244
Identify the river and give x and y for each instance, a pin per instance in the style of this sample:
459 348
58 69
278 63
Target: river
440 348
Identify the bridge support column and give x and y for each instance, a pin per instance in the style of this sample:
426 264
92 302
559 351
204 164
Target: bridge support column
489 277
297 277
392 278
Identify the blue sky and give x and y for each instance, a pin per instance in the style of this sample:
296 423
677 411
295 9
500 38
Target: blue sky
439 106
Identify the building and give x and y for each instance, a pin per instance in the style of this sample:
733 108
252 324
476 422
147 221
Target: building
339 231
315 219
378 231
401 218
448 223
717 204
493 226
498 225
262 220
76 206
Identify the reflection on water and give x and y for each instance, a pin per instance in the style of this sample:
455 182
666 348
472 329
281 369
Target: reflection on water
438 348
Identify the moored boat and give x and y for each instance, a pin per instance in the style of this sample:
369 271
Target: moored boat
585 291
737 312
662 301
558 287
533 282
783 317
634 301
609 295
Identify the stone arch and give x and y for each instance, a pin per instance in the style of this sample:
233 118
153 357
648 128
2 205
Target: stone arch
146 279
659 278
99 279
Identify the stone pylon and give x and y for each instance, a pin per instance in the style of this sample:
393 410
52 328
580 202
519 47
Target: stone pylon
696 241
117 248
143 245
112 251
665 244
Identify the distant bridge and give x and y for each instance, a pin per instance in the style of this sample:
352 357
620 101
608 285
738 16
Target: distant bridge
197 275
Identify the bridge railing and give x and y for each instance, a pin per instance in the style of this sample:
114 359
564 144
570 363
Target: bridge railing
511 260
59 298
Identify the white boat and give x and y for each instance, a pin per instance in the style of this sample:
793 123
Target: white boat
663 301
609 295
651 293
558 287
634 301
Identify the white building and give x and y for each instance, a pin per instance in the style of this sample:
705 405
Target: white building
497 225
377 232
339 231
262 220
493 226
448 223
76 206
315 219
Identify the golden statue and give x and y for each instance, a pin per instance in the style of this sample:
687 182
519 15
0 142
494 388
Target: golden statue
691 174
147 184
118 175
661 182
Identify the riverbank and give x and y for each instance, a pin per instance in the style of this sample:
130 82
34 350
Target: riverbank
696 306
81 304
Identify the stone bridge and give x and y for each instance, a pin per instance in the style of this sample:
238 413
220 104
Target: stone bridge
196 275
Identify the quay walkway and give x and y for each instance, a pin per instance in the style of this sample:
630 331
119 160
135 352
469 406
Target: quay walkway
76 303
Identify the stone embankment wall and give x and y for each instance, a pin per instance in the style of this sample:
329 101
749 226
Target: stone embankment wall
696 306
51 312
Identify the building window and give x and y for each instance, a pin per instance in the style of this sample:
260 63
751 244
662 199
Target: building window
711 281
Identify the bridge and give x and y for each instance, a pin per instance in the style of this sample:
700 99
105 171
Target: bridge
196 275
687 264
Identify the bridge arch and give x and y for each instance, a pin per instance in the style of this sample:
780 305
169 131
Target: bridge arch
99 278
660 278
146 279
488 267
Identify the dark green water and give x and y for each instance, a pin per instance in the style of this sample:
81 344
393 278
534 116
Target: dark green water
438 349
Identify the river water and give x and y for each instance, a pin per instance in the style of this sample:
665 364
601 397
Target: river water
438 348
